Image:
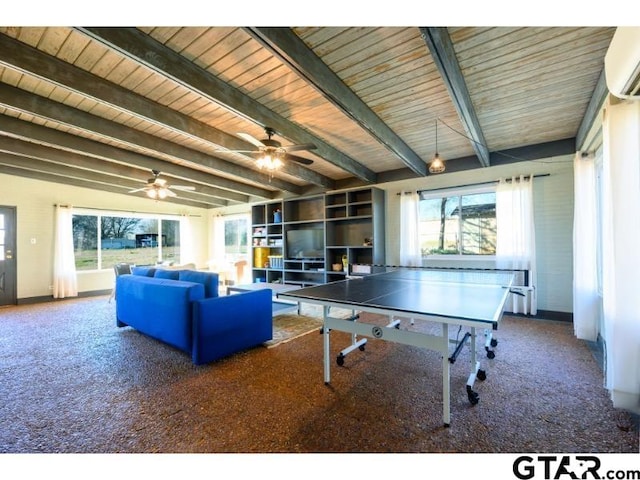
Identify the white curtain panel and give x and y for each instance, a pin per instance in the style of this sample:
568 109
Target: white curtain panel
621 257
586 301
516 238
65 282
410 255
187 254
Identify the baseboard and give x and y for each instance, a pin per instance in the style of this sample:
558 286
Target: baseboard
547 315
49 298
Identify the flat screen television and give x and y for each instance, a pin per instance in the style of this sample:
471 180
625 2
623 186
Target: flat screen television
305 243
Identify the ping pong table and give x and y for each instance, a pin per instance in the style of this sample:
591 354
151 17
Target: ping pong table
465 299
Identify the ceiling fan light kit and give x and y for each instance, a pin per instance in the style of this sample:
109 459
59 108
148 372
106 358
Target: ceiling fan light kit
157 193
157 188
270 160
271 154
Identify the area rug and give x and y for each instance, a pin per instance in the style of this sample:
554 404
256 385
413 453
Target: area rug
287 327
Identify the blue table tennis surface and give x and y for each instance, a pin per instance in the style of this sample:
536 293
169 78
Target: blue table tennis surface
448 294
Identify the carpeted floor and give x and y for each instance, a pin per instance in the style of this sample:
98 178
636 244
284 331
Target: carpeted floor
71 381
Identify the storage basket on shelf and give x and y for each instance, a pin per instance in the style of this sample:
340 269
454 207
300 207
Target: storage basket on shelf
276 261
260 256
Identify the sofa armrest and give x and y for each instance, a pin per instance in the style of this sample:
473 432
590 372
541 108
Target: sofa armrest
226 325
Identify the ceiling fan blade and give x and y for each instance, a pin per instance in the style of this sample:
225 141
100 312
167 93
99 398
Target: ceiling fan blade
185 188
303 161
251 140
170 193
137 190
296 148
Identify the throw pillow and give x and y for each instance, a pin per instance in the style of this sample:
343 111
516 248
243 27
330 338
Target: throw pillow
168 274
143 271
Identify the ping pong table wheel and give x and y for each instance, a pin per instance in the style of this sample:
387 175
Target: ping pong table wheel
361 347
474 398
340 360
491 354
494 342
481 375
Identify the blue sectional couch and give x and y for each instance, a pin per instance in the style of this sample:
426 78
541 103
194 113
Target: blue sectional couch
182 308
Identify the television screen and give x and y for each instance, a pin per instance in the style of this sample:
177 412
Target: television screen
305 243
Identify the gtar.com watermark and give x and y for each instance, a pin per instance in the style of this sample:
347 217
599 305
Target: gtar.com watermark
570 467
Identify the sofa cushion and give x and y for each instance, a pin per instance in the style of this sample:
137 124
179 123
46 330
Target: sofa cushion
208 279
167 274
143 271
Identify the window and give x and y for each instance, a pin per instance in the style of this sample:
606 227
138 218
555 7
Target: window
458 224
100 241
236 236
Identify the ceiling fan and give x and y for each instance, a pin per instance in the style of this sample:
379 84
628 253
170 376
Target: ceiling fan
271 153
157 188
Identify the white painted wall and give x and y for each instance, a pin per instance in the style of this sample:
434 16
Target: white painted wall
553 198
34 201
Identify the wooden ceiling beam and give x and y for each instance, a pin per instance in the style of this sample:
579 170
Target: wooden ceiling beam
41 170
521 154
21 57
591 116
143 49
120 172
441 47
291 50
72 143
17 99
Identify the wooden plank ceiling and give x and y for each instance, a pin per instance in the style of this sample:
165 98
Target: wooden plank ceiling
103 107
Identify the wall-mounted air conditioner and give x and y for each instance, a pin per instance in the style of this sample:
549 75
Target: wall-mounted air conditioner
622 63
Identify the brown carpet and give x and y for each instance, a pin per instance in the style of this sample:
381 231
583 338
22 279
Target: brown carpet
71 381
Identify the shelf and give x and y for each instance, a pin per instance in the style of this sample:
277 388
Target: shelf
347 220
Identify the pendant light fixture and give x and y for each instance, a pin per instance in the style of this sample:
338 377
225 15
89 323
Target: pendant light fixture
437 164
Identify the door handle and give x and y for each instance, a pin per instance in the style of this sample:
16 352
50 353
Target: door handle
9 255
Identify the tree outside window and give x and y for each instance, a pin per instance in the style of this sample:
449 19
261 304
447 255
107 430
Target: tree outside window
458 224
139 240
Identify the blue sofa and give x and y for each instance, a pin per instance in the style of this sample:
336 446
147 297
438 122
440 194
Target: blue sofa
182 308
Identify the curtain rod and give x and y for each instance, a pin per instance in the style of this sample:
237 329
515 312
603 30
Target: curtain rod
123 211
474 184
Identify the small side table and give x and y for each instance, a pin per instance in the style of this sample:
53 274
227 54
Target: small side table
279 306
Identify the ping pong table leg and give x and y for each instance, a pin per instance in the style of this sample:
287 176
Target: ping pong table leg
325 335
489 343
475 370
446 379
